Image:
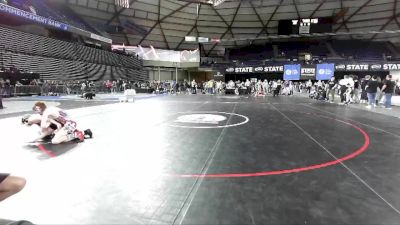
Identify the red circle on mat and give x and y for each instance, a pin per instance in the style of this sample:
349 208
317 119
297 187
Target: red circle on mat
357 152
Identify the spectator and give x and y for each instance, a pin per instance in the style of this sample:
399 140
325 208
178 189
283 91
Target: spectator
309 85
2 90
10 185
388 89
364 97
194 87
332 85
372 89
356 90
379 93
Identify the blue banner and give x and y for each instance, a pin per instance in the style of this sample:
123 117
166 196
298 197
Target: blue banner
325 71
291 72
30 16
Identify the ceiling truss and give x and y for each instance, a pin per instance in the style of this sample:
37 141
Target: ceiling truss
212 20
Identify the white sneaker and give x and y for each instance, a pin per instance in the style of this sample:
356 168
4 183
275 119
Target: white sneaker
389 108
368 107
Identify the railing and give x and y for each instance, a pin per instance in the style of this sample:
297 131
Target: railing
51 89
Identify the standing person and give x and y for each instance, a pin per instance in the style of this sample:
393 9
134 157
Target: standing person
114 87
309 85
291 88
332 85
274 87
379 93
372 88
364 82
10 185
388 89
109 86
265 86
194 87
1 92
277 87
356 91
1 99
343 89
349 90
248 86
83 87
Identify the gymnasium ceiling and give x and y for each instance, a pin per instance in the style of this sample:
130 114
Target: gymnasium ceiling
167 22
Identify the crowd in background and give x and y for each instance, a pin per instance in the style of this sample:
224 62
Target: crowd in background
350 89
256 87
370 90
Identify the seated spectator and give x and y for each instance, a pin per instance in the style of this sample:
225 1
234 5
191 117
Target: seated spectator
33 82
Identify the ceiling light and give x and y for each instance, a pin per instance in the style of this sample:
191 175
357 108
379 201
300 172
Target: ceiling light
122 3
216 2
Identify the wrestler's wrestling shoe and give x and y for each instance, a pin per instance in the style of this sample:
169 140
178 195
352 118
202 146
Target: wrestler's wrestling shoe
88 133
48 138
79 135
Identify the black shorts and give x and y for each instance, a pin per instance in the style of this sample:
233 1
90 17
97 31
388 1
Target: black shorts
3 176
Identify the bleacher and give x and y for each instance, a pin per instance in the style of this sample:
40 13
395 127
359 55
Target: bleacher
256 52
60 69
361 49
13 40
343 49
53 10
60 60
292 49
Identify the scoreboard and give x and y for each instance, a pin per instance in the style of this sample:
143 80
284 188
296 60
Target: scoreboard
305 26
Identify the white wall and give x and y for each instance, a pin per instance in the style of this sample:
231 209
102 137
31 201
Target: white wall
167 74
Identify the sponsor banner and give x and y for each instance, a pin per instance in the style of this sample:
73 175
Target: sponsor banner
376 67
340 67
230 70
218 76
391 66
291 72
190 38
100 38
308 72
30 16
328 69
273 69
255 69
247 69
161 55
384 66
368 67
325 71
352 67
202 39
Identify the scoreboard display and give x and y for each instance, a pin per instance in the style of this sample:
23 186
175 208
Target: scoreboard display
305 26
